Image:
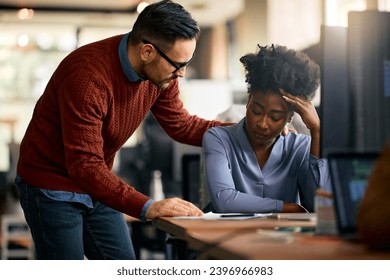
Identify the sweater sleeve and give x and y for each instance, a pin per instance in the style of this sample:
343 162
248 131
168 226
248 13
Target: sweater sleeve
82 108
176 120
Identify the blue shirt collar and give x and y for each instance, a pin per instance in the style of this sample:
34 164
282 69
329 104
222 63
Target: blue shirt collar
128 70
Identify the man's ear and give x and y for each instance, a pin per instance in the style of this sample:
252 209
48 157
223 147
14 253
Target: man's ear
146 52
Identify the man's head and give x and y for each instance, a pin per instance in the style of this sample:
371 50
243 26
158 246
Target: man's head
166 35
163 23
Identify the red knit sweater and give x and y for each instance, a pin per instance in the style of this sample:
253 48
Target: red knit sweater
87 112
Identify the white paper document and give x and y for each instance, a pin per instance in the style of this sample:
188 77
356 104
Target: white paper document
224 216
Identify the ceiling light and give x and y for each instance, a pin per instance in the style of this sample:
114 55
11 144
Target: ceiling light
25 14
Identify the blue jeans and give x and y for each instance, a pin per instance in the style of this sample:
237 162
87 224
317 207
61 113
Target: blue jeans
69 231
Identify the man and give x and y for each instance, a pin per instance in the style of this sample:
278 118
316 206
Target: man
93 103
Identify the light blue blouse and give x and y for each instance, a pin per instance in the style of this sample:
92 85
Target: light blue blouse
236 183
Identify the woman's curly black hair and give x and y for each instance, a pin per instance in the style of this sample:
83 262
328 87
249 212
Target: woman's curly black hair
277 67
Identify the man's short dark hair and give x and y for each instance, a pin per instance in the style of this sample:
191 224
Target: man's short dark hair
163 23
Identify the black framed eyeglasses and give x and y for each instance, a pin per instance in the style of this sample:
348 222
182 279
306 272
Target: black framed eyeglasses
177 67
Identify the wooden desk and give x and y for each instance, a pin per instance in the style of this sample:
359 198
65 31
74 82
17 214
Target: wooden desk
241 240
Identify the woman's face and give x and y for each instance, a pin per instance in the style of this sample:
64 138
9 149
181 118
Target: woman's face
267 114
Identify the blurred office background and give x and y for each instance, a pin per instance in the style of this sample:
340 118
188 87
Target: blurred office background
350 39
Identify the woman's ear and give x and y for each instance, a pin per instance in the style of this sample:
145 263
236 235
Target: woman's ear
249 100
290 117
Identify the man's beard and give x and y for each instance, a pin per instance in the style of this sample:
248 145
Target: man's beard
164 84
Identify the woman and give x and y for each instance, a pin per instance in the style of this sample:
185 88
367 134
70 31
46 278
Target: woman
251 166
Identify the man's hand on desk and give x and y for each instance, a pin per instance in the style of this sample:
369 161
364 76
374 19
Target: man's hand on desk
172 207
